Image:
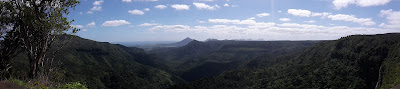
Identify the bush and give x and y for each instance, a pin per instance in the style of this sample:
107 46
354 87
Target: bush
73 85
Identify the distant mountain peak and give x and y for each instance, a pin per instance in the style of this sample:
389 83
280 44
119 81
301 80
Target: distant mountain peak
187 39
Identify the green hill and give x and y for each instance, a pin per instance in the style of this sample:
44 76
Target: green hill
358 61
205 59
102 65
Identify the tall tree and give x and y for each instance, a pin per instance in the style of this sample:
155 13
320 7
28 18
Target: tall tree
32 26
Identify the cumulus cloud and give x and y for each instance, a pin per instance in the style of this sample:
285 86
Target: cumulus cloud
176 28
393 18
148 24
205 6
226 5
307 13
284 19
263 14
311 21
91 24
363 3
160 6
292 31
98 3
147 0
96 6
250 22
126 0
223 21
251 18
206 0
180 7
115 23
146 9
352 18
136 12
323 15
299 12
77 26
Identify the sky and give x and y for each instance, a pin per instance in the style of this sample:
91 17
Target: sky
174 20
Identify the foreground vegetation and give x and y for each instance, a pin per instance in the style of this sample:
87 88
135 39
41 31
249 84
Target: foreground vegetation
100 65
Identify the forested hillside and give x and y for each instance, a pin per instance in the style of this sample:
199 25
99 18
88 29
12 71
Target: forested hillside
358 61
101 65
205 59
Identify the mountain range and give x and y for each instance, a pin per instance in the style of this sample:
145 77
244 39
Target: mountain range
356 61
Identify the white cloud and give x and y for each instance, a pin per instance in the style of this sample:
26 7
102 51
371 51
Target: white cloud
146 9
311 21
352 18
252 18
96 8
323 15
263 14
115 23
237 29
291 31
280 11
77 26
147 0
295 25
98 3
393 18
84 30
205 6
250 22
206 0
284 19
160 6
223 21
176 28
180 7
126 0
226 5
91 24
307 13
363 3
299 12
148 24
136 12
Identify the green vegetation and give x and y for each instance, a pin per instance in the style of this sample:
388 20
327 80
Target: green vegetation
73 85
205 59
37 85
350 62
391 68
31 26
101 65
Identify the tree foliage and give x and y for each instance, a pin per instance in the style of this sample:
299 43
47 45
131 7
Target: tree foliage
32 26
353 62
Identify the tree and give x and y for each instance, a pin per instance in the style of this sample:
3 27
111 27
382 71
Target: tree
32 26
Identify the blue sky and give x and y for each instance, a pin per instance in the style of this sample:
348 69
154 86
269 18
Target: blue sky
173 20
